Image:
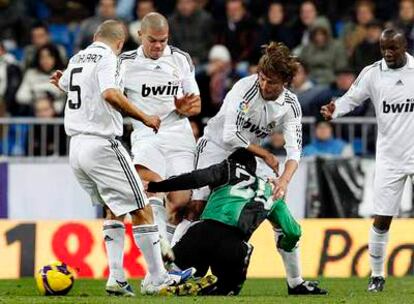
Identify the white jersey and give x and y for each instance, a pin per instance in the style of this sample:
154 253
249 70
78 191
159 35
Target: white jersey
246 118
392 94
152 84
89 73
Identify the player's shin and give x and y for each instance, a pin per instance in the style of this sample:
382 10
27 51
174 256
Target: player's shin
291 261
114 235
377 246
170 231
160 215
147 239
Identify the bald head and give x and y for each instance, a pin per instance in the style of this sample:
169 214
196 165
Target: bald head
155 22
111 31
393 46
154 35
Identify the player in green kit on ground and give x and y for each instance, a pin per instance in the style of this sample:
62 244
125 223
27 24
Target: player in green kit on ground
238 204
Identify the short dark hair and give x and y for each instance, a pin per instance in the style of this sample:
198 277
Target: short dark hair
391 32
277 60
245 158
40 24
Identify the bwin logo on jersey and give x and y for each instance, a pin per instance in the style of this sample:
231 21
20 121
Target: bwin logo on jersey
260 132
169 89
403 107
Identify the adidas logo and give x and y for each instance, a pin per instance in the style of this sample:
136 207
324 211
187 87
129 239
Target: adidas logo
159 68
399 82
107 238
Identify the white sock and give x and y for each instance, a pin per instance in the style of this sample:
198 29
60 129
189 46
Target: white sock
147 238
170 232
377 246
291 261
114 235
180 230
160 215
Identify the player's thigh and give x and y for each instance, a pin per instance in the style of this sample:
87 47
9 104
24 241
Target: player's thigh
110 167
191 250
207 154
230 264
148 153
388 190
89 186
179 162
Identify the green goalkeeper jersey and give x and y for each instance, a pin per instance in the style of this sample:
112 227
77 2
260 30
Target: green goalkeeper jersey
239 199
243 205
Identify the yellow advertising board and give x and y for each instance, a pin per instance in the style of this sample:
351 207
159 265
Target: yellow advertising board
331 248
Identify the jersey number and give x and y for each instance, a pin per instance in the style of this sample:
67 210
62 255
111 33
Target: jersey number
242 188
74 105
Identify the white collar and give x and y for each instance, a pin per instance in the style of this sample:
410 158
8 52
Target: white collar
100 44
409 64
167 51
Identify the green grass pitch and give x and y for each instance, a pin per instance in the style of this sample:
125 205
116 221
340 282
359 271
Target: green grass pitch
397 290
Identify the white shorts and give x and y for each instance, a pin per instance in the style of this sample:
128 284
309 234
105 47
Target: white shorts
164 157
388 190
105 170
208 153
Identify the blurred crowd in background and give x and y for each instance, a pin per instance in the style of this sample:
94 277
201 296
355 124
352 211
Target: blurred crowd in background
333 39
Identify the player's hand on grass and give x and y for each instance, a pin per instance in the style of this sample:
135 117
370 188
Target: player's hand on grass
54 79
152 121
185 104
273 162
328 110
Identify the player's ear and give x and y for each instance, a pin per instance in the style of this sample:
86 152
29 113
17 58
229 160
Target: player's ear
119 46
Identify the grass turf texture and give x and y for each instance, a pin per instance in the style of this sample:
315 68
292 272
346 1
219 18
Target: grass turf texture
353 290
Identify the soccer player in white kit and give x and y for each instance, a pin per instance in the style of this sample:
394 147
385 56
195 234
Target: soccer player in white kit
388 83
255 107
93 82
160 80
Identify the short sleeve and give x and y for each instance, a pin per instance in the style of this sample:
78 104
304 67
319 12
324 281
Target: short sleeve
108 70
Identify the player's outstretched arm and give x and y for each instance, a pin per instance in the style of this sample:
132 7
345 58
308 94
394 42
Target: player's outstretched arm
354 97
121 103
214 175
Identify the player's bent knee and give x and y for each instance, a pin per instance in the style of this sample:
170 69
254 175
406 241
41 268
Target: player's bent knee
382 223
290 239
142 216
178 199
109 215
147 174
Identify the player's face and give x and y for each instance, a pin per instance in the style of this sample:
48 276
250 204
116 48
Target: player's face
270 87
393 51
154 42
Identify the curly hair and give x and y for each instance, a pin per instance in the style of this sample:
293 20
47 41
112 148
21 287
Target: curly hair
278 61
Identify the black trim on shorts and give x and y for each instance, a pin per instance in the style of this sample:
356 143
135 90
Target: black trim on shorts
199 149
129 175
